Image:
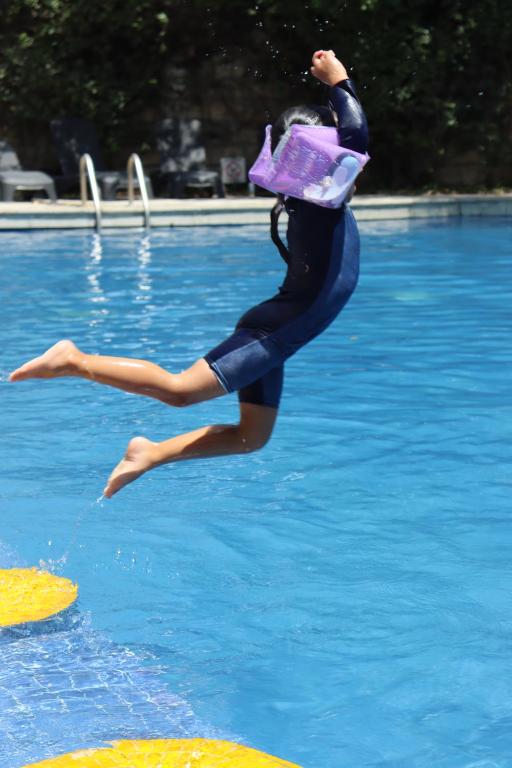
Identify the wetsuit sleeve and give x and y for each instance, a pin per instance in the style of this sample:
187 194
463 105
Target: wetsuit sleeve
352 125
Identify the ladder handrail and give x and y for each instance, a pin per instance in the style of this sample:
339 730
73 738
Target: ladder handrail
135 161
87 167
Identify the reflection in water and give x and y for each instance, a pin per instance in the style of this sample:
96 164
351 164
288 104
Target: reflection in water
94 271
144 294
98 294
144 281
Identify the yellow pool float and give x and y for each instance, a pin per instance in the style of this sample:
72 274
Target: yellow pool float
28 594
167 753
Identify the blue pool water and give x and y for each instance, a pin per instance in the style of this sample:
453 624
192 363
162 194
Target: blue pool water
341 598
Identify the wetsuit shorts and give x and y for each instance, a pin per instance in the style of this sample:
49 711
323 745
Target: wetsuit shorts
250 361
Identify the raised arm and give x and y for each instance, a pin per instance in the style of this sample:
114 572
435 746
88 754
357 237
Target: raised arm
352 125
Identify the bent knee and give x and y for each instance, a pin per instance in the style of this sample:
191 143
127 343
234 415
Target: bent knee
179 395
177 399
254 441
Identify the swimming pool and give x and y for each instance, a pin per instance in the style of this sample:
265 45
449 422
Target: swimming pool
341 598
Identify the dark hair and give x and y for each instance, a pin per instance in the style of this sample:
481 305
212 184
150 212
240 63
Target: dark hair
302 115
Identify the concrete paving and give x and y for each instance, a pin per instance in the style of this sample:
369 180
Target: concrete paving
72 214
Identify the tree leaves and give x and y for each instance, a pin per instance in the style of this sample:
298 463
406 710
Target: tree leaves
434 75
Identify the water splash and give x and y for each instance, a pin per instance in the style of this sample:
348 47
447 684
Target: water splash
55 565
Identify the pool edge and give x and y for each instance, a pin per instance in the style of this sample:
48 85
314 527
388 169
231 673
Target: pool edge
119 214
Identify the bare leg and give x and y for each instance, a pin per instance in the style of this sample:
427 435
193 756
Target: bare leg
141 377
253 431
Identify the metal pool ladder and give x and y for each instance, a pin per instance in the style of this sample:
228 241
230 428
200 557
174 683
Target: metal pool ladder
134 161
87 173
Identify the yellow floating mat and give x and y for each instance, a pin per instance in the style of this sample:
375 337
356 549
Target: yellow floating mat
27 594
167 753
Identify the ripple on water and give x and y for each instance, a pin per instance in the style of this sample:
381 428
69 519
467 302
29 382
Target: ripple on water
339 598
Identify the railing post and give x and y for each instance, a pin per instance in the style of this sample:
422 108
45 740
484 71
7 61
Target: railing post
134 161
87 172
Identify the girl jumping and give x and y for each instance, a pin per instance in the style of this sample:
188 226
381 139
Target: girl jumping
322 260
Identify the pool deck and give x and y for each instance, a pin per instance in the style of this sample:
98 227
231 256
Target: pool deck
72 214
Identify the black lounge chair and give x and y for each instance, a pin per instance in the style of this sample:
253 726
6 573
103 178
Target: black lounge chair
183 159
74 137
13 177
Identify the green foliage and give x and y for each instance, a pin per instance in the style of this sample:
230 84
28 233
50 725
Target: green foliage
98 60
434 75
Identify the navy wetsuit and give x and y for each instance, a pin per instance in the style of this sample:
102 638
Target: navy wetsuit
323 268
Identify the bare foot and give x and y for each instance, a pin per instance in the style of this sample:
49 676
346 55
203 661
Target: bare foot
139 457
59 360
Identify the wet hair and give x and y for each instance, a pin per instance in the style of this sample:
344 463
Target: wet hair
302 115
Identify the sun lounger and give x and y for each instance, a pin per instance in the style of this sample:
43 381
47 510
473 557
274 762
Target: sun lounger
14 178
74 137
183 159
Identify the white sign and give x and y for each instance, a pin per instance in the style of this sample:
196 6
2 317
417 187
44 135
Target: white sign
233 170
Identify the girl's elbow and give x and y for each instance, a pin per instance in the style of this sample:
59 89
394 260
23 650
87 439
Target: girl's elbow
357 140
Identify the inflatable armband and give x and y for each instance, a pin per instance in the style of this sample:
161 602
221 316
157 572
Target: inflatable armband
308 163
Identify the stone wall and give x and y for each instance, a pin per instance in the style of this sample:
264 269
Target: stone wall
234 110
